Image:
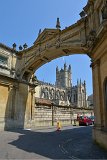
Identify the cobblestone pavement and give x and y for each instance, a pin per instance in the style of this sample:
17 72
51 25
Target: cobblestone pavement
47 143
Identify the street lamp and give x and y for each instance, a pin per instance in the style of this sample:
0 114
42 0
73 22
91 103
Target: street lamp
14 46
25 46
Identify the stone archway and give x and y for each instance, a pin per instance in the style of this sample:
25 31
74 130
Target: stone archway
50 45
88 36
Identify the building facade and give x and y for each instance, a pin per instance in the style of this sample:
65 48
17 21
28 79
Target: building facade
63 92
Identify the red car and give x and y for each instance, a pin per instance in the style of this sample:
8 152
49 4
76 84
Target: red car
84 120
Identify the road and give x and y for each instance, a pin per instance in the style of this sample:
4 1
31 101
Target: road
47 143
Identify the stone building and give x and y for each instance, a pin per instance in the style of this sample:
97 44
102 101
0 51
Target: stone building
90 101
63 92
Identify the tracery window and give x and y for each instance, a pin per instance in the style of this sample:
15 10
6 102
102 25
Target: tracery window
74 97
46 93
43 95
52 92
57 94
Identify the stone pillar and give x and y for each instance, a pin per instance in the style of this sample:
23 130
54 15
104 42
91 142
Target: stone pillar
20 108
30 105
21 105
14 102
11 114
9 108
5 104
97 94
32 92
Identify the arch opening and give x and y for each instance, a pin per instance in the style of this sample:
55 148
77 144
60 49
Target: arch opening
67 78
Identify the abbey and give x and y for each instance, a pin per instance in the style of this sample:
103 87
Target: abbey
63 92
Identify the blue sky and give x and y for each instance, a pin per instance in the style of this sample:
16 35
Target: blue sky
21 21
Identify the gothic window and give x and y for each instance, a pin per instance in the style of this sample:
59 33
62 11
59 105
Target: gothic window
57 95
50 95
74 97
43 95
61 97
69 98
52 92
46 93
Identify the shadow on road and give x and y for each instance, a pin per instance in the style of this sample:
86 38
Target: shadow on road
76 142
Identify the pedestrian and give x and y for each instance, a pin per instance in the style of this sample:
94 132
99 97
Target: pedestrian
58 126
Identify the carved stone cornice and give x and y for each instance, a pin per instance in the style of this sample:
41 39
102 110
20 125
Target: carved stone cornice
96 41
91 38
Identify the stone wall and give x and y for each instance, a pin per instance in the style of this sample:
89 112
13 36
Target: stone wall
48 115
3 104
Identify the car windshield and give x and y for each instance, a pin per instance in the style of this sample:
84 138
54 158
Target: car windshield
81 117
92 117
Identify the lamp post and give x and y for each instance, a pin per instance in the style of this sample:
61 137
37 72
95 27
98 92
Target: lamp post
20 47
52 113
14 46
71 113
25 46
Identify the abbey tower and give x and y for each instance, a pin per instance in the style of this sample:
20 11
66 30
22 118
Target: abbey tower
63 77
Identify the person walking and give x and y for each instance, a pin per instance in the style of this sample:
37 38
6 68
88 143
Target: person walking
58 126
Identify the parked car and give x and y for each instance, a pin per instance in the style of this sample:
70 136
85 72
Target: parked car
92 118
84 120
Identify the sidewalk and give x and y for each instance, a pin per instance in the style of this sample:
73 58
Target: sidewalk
50 127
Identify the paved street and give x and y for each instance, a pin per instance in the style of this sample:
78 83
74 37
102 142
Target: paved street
70 143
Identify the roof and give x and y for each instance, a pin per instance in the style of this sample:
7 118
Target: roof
43 101
46 35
